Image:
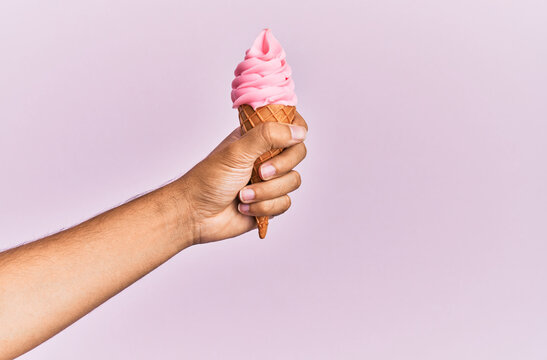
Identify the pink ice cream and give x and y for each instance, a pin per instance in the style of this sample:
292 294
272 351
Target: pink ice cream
264 77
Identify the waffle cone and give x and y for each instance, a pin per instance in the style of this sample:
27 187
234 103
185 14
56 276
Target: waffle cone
249 118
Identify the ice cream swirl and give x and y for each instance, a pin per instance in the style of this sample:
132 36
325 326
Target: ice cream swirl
263 77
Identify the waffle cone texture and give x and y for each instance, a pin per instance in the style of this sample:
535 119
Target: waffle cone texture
249 118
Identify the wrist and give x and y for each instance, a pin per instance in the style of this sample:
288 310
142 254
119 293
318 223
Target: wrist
177 213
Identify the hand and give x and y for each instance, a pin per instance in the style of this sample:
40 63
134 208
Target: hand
221 203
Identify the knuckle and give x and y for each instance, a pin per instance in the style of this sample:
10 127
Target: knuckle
271 207
286 205
298 179
232 150
304 150
235 154
262 207
267 131
287 202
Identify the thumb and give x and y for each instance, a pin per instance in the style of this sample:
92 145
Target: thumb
268 136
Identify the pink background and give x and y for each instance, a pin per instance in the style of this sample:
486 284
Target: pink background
420 231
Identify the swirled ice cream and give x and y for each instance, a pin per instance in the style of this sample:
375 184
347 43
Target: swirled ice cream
263 77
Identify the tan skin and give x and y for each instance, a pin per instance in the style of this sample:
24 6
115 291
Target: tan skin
48 284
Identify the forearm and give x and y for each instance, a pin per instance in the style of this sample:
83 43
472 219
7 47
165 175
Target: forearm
48 284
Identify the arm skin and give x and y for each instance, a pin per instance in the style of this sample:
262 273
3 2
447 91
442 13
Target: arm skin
48 284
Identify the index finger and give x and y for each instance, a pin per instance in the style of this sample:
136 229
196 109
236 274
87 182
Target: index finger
299 120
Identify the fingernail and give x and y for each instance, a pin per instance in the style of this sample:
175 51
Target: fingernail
267 171
247 194
243 208
298 132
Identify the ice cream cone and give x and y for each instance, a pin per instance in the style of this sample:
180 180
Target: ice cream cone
263 91
249 118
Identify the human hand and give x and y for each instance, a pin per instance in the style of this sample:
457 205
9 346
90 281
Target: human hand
220 203
109 252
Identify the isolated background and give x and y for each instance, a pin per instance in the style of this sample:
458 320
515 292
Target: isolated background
420 231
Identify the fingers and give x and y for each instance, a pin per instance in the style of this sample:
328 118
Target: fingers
268 136
270 189
288 159
270 198
283 163
270 207
299 120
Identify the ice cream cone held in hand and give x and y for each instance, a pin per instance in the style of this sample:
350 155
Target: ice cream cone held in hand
263 91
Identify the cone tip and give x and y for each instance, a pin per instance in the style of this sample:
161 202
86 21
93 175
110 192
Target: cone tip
262 231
